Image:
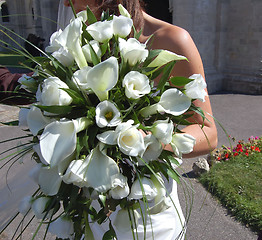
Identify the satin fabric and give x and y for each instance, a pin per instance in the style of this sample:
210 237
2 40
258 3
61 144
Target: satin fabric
167 225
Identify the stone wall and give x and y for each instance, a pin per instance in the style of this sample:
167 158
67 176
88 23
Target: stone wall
30 16
228 35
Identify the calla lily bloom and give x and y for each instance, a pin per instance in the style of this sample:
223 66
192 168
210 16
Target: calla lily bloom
70 39
165 57
62 227
122 220
39 206
36 120
76 172
58 141
172 101
97 171
79 77
160 201
182 143
101 171
102 77
49 180
147 189
64 56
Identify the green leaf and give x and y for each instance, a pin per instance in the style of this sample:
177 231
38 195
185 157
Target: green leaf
103 48
152 54
105 15
59 110
137 34
110 234
166 72
180 81
91 18
12 123
77 98
95 58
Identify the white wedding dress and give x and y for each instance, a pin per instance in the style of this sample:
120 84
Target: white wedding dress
167 225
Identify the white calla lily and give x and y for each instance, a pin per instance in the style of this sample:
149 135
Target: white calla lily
120 188
54 43
160 201
103 77
62 227
69 39
76 172
163 130
100 171
80 78
107 115
165 57
172 101
143 188
122 221
132 51
87 50
82 15
49 180
101 31
196 88
153 149
37 150
122 26
58 140
52 94
64 56
136 84
36 121
39 207
182 143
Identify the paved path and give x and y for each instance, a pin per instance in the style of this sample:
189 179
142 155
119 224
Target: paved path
240 115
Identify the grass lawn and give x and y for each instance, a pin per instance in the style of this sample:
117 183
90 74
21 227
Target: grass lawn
237 183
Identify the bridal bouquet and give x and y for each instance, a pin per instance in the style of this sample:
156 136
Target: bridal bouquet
99 127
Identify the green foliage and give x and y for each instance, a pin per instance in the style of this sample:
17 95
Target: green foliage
237 183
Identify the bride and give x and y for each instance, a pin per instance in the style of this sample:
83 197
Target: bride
169 224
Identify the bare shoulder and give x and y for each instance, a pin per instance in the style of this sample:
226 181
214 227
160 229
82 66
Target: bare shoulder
176 39
168 36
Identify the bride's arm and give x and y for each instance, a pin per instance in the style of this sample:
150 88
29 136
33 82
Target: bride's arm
179 41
